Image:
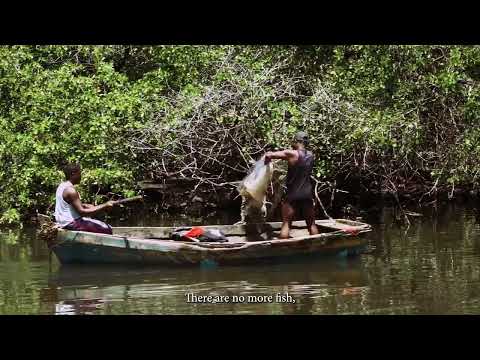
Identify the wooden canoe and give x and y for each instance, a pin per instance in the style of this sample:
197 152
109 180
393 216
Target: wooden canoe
153 245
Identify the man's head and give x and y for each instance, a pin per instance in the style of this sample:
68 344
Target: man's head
300 140
73 173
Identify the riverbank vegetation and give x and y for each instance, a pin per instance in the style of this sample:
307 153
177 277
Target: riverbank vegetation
399 120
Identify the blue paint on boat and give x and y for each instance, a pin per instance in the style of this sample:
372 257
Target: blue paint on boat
92 254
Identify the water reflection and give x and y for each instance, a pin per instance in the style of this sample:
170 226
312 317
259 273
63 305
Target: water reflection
105 289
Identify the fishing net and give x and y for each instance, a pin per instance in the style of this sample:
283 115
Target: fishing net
255 184
48 232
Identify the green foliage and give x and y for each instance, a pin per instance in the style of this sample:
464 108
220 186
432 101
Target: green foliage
369 109
11 216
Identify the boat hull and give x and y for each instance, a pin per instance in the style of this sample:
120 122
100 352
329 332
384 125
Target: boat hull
88 248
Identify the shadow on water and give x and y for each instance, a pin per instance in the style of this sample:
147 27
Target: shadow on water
335 271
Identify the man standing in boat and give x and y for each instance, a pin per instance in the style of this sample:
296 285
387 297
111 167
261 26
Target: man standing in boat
69 209
299 195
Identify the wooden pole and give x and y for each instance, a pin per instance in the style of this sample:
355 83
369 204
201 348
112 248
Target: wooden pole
123 201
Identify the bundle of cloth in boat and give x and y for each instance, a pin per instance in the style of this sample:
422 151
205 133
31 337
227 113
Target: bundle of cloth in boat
199 234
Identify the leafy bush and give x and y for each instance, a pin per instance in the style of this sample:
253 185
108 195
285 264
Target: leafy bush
394 116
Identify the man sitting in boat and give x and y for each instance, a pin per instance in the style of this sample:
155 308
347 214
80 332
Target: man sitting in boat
299 195
69 209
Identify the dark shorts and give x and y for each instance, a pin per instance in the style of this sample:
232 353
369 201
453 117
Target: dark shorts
301 205
89 225
303 209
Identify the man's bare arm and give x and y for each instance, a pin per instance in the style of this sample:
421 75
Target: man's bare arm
71 196
289 155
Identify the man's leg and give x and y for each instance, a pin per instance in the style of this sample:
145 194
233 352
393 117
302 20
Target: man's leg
308 210
287 215
90 225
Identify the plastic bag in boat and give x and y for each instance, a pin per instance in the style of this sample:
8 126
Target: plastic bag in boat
199 234
255 184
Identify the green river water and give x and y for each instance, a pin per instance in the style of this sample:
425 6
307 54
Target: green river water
431 267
